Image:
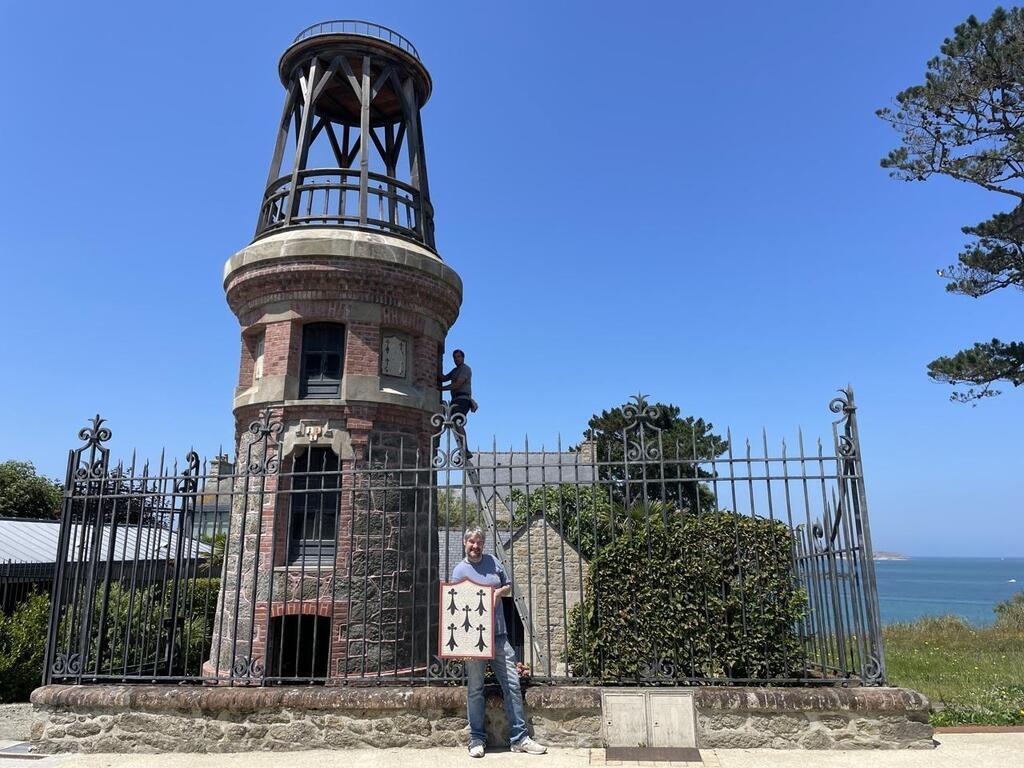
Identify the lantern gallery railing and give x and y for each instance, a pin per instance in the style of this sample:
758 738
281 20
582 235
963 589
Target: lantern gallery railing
331 197
640 556
356 27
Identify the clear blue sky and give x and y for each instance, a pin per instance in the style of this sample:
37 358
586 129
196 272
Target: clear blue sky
678 198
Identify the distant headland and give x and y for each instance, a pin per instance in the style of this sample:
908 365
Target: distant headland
890 556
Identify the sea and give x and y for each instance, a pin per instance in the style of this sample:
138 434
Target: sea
968 587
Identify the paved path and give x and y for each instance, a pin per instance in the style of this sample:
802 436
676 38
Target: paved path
985 750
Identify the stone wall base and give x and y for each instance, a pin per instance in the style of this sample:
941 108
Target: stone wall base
812 718
16 721
147 718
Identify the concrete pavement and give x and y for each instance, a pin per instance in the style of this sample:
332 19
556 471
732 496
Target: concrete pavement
981 750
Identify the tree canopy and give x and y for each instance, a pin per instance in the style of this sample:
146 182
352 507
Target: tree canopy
670 446
23 493
966 122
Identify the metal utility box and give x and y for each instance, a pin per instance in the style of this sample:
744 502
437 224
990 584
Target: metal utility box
648 718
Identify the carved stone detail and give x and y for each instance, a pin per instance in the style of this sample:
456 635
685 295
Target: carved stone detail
310 432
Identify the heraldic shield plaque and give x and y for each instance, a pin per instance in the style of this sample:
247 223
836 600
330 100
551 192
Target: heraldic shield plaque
466 628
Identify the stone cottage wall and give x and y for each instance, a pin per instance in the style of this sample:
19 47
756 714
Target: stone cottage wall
549 573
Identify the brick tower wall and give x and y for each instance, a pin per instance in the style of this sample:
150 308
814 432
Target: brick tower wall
375 591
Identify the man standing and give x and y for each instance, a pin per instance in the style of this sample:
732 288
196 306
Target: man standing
461 387
486 571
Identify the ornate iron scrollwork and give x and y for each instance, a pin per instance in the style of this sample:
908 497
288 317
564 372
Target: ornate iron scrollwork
842 428
639 413
265 431
834 519
451 670
189 480
263 427
94 434
872 670
66 664
657 670
93 466
449 454
641 420
247 668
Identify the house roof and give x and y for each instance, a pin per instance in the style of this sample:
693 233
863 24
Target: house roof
505 471
35 541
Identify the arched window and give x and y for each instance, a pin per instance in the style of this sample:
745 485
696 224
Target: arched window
313 508
323 348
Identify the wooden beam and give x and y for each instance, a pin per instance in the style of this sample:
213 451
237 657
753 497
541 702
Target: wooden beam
380 147
364 145
412 121
351 77
399 138
322 82
339 156
355 151
317 127
282 136
302 154
389 147
389 164
381 78
408 101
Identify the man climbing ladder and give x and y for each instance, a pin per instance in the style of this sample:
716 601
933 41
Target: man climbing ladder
461 387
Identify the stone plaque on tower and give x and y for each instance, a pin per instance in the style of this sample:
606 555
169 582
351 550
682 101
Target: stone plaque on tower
392 355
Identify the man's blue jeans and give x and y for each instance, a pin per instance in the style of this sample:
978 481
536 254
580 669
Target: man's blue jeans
504 666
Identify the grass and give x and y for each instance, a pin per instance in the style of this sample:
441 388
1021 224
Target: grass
972 675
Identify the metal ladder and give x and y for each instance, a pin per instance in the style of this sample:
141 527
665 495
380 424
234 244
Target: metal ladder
473 473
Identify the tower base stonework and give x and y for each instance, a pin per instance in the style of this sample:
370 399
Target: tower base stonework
364 590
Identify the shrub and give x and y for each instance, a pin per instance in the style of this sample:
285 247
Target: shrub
147 643
22 644
137 638
585 515
1010 613
712 596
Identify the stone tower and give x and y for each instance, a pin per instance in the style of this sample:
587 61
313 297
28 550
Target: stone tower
344 305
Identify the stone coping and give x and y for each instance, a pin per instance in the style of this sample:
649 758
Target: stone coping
242 700
332 243
811 699
157 698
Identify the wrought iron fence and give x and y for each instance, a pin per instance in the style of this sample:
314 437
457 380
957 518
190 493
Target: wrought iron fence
634 558
20 580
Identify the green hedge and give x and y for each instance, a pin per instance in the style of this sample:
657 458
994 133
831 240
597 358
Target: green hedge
22 644
138 629
1010 613
714 596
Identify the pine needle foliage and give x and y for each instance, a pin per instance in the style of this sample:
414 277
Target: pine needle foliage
966 122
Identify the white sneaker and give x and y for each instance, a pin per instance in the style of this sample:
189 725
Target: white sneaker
476 750
529 746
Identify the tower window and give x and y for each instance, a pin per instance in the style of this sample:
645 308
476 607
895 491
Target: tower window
257 364
322 350
314 507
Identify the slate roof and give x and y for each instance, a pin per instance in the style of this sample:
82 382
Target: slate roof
505 471
35 541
